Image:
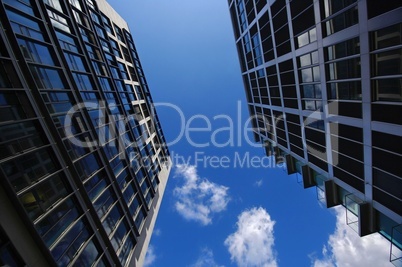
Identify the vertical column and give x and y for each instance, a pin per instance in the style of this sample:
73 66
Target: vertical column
366 98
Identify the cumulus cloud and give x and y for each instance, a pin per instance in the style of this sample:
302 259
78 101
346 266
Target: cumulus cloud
198 198
206 259
253 242
346 248
150 257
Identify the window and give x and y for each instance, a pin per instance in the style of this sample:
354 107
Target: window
123 71
347 90
105 84
257 50
83 81
21 5
306 38
25 26
139 92
303 15
107 24
387 37
111 220
309 76
103 203
93 52
29 168
119 234
387 89
57 221
67 248
376 8
119 33
35 52
242 15
75 62
100 68
67 42
99 31
87 165
19 137
247 45
14 106
58 21
343 20
303 22
308 59
115 47
41 197
80 18
343 49
343 69
104 45
54 3
87 36
347 70
266 37
139 219
89 254
76 4
386 64
126 54
94 16
126 248
58 102
115 72
330 7
47 78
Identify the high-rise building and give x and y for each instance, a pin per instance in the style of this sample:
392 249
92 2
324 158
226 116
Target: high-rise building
83 160
323 80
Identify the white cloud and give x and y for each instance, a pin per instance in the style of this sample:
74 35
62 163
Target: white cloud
198 199
206 259
253 242
258 183
345 248
150 257
157 232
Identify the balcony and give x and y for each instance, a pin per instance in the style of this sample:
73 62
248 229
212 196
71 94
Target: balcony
279 156
396 246
327 190
290 164
268 148
358 215
308 176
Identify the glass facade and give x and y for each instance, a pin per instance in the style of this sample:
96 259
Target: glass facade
82 146
326 94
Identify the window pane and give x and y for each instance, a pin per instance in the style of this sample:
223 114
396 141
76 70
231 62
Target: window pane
39 199
388 89
387 63
54 224
46 78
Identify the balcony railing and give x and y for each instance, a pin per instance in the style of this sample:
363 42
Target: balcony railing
358 215
396 246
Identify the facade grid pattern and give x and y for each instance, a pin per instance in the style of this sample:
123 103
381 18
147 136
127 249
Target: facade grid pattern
83 155
323 80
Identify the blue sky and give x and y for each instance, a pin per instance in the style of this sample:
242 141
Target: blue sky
250 216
